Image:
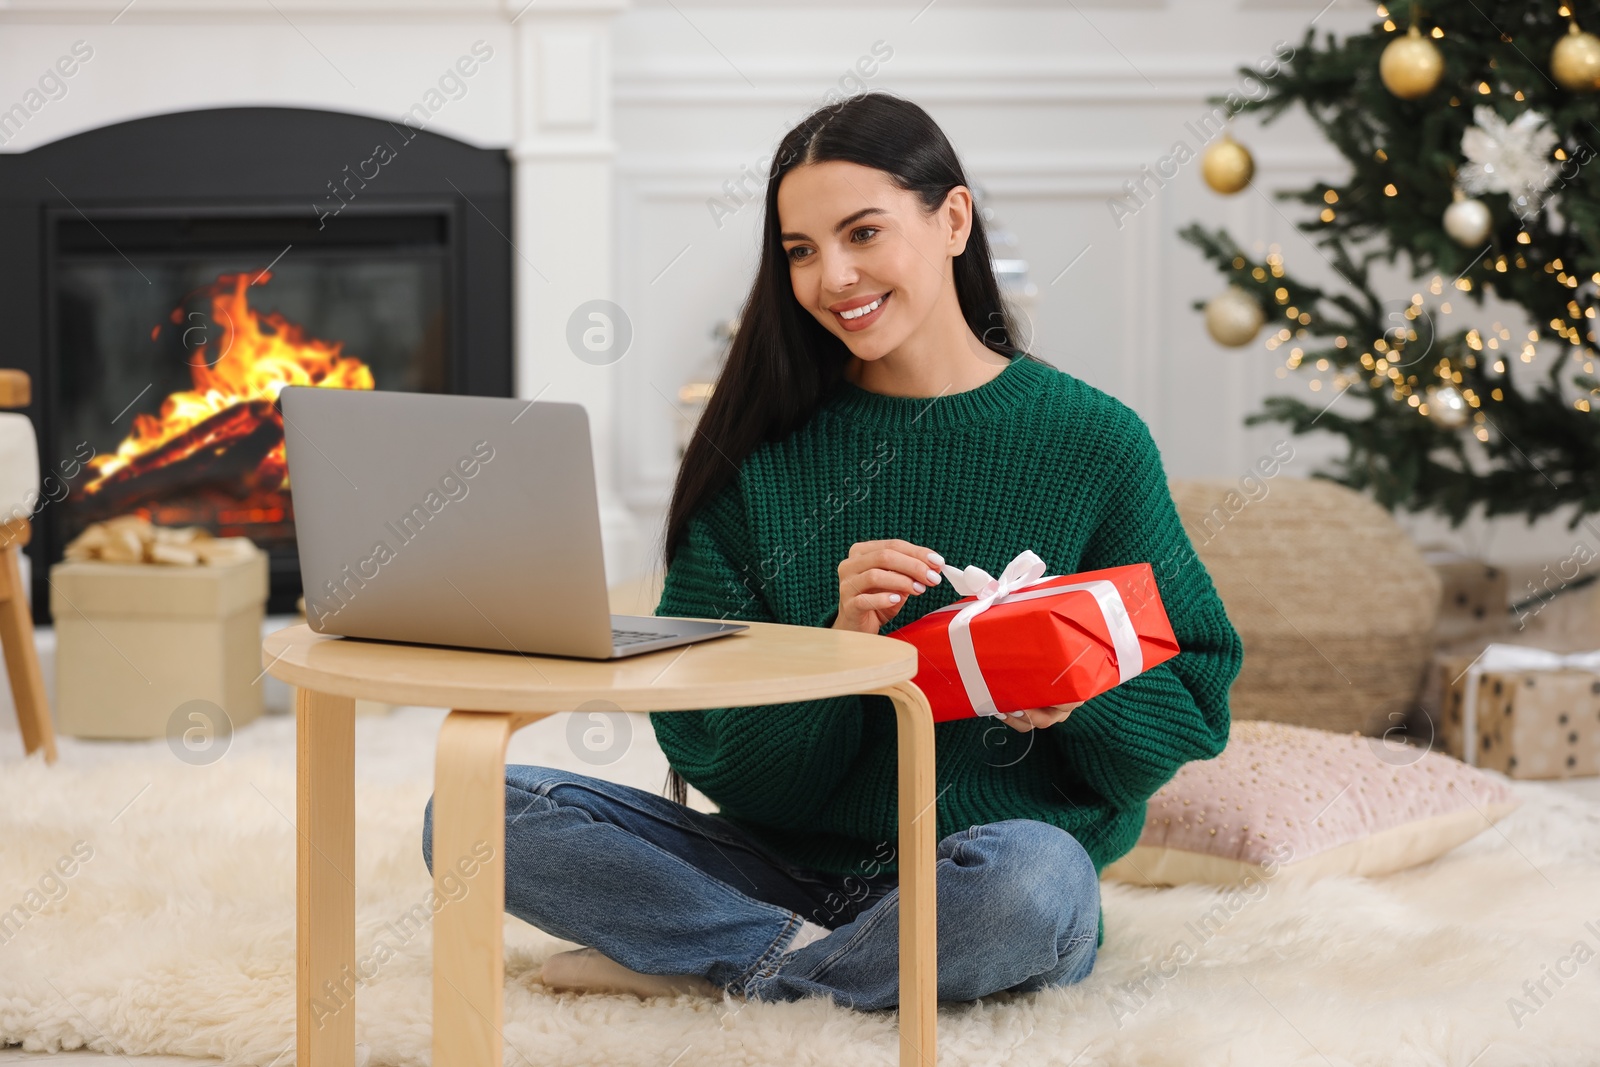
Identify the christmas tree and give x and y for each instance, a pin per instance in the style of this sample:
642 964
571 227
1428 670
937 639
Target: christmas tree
1471 128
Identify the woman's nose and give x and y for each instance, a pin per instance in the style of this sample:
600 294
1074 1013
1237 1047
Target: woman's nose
839 276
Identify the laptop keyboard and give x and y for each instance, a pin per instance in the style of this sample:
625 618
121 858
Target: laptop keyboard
631 637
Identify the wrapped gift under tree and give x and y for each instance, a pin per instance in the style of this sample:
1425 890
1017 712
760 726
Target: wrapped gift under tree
1472 599
1526 712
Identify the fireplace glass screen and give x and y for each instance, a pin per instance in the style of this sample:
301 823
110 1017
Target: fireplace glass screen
171 337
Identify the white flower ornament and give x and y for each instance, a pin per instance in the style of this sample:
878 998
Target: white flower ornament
1509 157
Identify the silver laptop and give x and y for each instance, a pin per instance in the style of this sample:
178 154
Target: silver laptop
457 520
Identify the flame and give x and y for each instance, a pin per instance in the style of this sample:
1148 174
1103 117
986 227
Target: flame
259 355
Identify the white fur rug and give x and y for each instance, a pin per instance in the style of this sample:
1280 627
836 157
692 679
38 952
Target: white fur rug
176 935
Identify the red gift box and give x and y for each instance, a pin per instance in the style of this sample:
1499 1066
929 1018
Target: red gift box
1029 639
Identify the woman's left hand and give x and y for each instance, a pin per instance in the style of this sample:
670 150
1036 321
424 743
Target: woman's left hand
1039 718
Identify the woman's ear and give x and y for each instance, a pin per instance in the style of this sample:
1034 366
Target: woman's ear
957 213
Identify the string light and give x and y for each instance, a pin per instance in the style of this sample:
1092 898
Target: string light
1380 371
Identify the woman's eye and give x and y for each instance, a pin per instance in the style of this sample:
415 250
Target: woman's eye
792 252
864 229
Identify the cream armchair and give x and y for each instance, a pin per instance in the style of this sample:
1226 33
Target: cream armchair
19 497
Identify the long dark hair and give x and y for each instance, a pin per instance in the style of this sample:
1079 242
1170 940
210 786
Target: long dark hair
783 362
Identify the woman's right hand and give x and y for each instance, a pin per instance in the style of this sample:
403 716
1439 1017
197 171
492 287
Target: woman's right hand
876 579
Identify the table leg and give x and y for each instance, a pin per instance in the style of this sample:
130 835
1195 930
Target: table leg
325 888
469 878
919 975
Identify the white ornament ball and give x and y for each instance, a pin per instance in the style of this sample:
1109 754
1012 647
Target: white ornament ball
1447 407
1234 317
1468 222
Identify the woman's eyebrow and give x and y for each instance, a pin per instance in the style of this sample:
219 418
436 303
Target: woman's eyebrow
841 224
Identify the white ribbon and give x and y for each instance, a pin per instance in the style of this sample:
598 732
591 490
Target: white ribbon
1501 657
1024 570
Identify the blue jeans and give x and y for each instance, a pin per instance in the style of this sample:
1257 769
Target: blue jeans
663 889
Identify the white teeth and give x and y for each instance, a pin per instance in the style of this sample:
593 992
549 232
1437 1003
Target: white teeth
856 313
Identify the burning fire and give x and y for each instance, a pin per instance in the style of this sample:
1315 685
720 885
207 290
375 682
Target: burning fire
228 417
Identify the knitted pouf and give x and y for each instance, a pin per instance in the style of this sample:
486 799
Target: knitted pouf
1335 604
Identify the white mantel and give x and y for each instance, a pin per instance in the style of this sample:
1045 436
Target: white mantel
543 93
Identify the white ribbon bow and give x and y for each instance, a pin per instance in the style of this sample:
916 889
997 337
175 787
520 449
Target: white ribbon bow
1026 569
1501 657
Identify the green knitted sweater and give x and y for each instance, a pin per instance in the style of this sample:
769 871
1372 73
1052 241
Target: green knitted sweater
1032 459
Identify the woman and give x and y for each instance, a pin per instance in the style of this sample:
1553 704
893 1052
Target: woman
874 419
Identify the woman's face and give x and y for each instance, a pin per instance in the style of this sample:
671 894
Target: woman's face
852 238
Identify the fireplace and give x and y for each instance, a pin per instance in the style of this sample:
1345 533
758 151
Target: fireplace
175 272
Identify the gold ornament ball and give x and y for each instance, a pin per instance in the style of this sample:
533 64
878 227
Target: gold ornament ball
1447 407
1234 317
1411 65
1227 166
1575 60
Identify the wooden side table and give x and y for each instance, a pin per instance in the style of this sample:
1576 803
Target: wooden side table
498 693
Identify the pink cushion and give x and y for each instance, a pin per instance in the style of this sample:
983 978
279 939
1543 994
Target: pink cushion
1309 800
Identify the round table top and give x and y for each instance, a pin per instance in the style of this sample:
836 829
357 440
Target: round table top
770 663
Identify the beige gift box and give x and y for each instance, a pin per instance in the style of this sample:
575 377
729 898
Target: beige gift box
1530 723
134 641
1472 599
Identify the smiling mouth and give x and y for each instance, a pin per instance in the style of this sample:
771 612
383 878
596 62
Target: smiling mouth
857 318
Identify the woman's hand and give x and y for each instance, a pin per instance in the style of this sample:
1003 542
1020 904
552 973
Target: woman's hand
876 579
1039 718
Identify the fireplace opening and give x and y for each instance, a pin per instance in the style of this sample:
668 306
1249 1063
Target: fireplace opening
170 372
173 301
